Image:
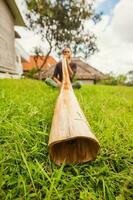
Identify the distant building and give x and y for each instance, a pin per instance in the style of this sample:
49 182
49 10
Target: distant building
85 73
9 17
31 64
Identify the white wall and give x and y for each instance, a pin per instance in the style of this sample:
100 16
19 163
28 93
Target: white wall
87 81
7 38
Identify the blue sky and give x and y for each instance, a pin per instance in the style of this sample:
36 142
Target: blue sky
107 6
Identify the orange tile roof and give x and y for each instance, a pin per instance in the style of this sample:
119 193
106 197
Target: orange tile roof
31 64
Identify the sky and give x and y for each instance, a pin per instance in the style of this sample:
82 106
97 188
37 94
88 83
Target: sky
114 36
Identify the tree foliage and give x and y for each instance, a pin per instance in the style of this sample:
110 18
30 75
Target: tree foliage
39 55
115 80
62 23
130 78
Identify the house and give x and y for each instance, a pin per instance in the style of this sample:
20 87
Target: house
36 62
9 17
85 73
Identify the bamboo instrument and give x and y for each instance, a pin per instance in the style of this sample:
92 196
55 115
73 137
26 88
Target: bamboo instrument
71 140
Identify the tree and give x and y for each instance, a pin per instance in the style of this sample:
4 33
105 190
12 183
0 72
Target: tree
61 23
121 79
129 81
114 80
38 54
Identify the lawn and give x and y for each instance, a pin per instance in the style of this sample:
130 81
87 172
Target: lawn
26 171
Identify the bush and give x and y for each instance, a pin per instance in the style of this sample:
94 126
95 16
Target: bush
31 73
114 80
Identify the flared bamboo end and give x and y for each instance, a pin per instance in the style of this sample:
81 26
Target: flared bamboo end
75 150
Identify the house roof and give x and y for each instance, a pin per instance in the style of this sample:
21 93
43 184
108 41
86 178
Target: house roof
27 66
84 71
15 12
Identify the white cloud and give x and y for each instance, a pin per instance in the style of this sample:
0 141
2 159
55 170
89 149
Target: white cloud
29 40
115 41
122 22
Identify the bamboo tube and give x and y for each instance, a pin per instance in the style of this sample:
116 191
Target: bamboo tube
71 140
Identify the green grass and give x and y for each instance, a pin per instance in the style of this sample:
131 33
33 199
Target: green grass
26 110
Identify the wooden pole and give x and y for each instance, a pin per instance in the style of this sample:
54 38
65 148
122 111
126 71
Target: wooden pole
71 140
